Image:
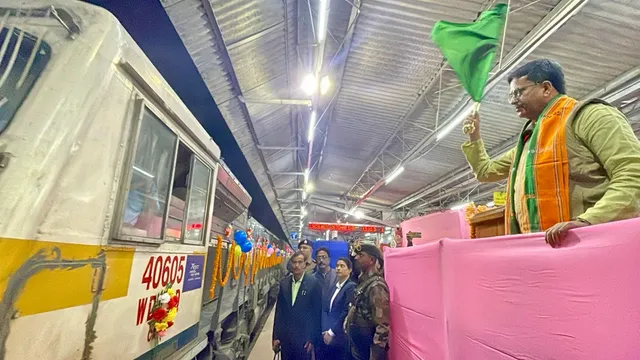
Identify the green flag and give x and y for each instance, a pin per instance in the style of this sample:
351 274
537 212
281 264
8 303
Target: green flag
471 48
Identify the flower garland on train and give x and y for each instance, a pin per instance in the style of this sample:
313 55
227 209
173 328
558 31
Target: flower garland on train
242 258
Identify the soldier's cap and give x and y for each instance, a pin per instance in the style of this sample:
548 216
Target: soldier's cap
368 249
305 242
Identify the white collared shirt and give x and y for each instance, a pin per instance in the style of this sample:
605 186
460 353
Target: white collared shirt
335 293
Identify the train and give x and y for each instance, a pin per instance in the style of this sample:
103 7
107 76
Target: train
115 203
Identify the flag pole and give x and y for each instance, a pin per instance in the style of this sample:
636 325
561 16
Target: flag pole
476 107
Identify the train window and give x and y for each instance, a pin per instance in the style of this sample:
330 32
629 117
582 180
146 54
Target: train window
179 192
23 57
198 200
189 197
146 200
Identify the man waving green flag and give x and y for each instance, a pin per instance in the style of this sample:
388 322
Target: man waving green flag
471 48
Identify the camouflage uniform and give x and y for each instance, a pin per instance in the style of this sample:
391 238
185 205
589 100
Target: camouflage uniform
367 323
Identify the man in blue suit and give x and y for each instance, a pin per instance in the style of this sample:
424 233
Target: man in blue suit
335 310
297 325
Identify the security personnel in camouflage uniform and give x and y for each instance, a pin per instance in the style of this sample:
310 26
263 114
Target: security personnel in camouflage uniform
367 323
306 247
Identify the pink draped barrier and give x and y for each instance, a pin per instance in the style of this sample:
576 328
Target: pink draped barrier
517 298
436 226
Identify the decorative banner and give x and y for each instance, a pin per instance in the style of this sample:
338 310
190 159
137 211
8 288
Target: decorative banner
499 198
345 227
193 277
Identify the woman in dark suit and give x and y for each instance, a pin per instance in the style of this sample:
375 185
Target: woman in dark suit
336 309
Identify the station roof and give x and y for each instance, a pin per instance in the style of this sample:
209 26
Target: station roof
392 99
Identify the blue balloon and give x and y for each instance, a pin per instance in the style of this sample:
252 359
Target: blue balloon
246 246
240 236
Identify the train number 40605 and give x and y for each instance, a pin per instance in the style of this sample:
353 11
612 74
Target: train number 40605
161 270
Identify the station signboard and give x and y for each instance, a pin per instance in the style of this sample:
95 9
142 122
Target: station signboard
346 227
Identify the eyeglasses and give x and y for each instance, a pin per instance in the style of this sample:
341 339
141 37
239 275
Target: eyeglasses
517 93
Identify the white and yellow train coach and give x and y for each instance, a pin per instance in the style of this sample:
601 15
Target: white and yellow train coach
107 188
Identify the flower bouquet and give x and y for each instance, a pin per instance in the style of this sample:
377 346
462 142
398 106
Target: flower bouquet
163 312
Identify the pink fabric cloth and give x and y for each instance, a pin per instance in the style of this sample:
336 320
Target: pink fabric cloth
447 224
517 298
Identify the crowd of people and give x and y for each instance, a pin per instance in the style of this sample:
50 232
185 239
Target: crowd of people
327 313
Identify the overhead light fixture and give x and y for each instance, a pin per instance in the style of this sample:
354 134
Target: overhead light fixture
309 84
491 204
323 13
460 206
325 85
312 125
306 175
304 195
358 214
395 174
466 110
309 187
304 212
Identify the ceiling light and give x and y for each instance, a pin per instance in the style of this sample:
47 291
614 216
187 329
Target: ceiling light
312 126
466 110
304 212
491 204
306 175
309 84
322 20
358 214
395 174
304 195
309 187
460 206
325 84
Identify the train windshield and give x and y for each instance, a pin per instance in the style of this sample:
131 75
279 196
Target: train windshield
23 57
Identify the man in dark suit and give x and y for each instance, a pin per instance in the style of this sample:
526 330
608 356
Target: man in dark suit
335 310
297 328
324 273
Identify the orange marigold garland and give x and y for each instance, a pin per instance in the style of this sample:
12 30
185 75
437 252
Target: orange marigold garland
236 274
472 210
256 265
224 279
469 212
247 265
216 268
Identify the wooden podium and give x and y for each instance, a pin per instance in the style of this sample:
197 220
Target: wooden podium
488 224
